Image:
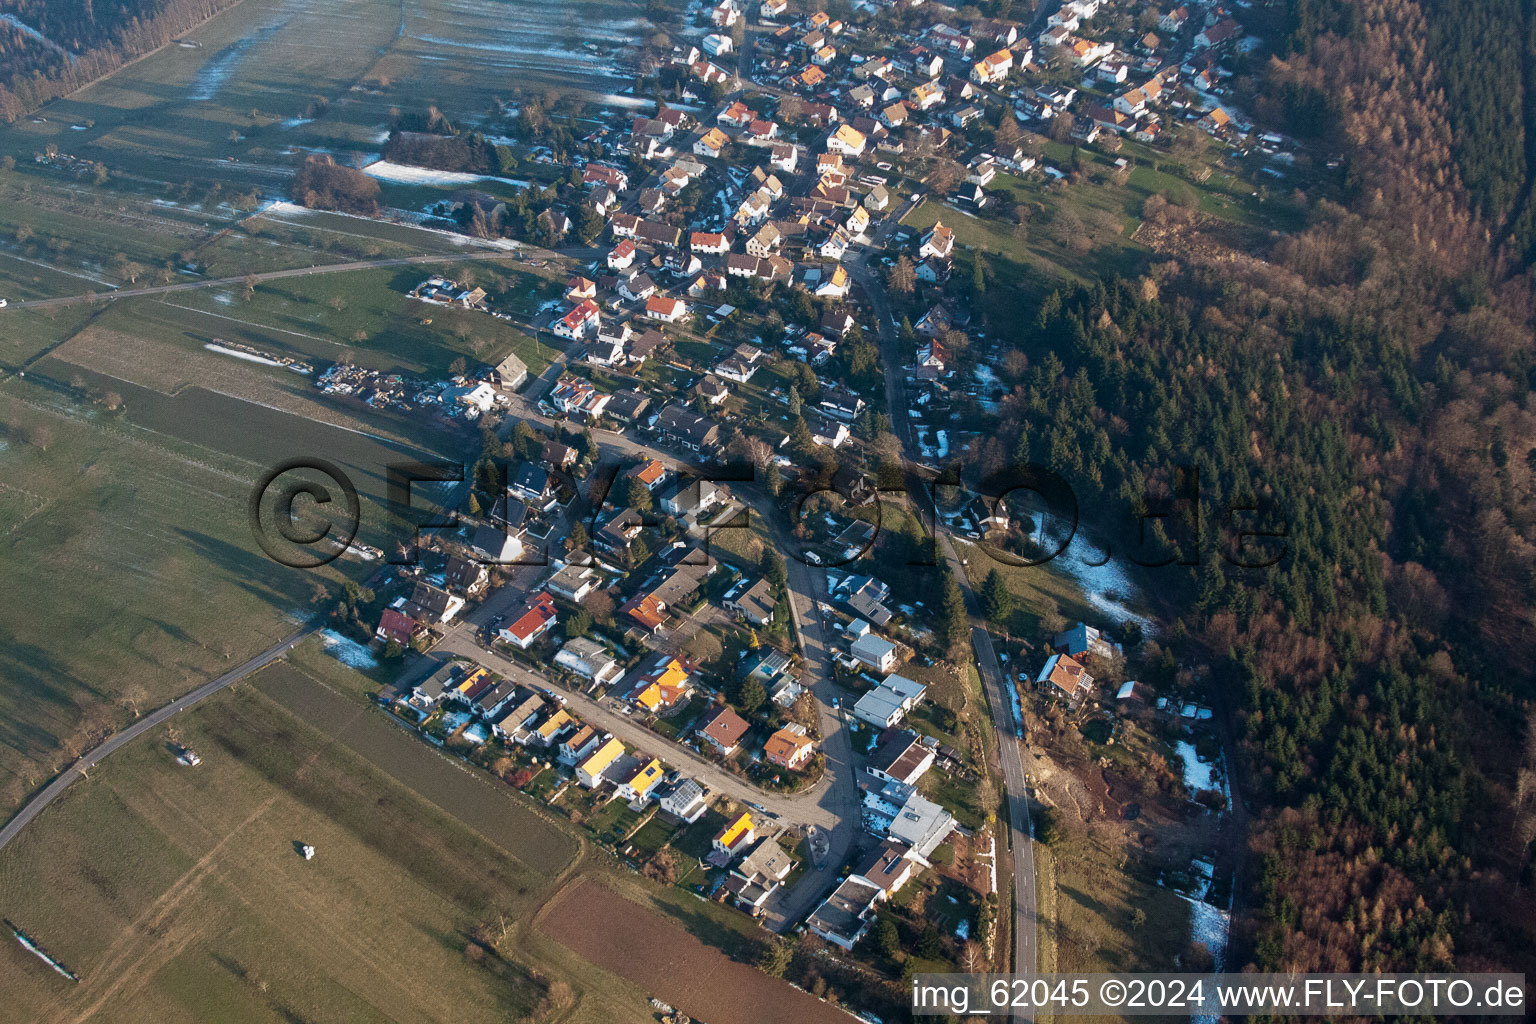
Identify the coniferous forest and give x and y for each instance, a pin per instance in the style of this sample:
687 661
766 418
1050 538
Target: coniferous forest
1367 382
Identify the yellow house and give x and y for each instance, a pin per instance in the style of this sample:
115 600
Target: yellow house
551 728
646 778
736 836
670 683
590 772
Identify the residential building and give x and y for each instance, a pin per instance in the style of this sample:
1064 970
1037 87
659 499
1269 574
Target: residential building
790 747
723 729
638 785
736 836
588 659
887 704
903 758
843 917
755 604
1064 676
876 651
683 799
590 771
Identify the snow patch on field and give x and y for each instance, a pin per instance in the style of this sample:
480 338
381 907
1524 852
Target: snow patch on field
347 651
407 174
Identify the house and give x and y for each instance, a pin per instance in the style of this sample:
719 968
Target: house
737 115
937 241
736 836
510 373
582 321
437 604
755 604
573 582
723 729
992 68
532 484
667 310
759 874
876 651
649 607
579 744
985 516
668 682
922 825
765 242
903 758
888 868
516 716
603 175
1215 35
845 916
1064 676
684 429
827 432
1215 121
637 786
790 747
691 498
498 546
622 256
711 144
683 799
1174 20
716 45
538 618
877 199
1083 639
715 244
770 9
549 730
588 659
926 96
465 575
606 351
784 156
846 140
590 771
431 690
395 626
652 473
491 701
1085 52
887 704
618 533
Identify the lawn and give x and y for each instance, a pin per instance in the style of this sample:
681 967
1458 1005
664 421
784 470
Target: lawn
1088 909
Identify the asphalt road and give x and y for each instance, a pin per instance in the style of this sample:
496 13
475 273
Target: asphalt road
64 779
868 275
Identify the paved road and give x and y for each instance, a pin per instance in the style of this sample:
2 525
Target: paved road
56 788
271 275
867 274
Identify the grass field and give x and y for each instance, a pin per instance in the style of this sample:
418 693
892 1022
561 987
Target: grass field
177 894
131 558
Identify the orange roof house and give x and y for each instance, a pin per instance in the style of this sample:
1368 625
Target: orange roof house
790 747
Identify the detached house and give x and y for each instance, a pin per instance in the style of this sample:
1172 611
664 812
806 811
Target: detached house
723 729
938 241
1064 676
790 747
